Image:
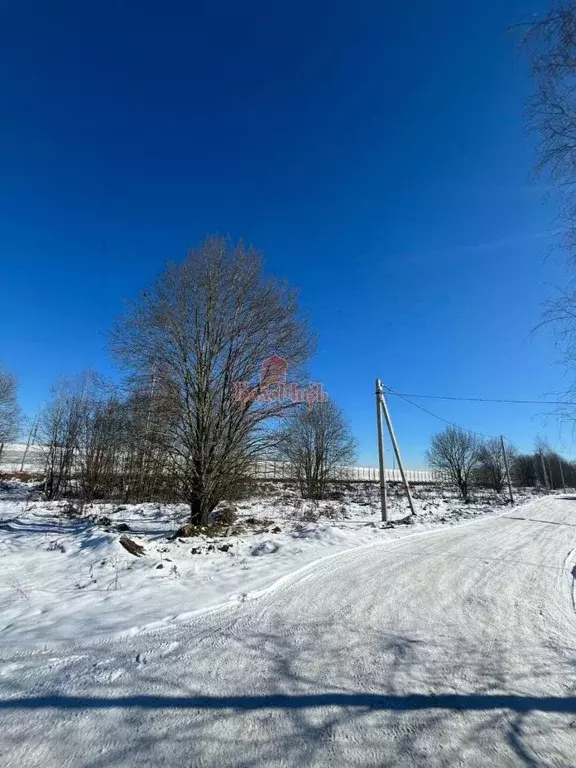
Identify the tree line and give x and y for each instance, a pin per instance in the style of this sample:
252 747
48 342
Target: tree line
468 460
200 400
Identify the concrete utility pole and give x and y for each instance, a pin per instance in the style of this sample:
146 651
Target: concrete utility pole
507 469
396 450
31 438
551 482
544 472
383 499
561 468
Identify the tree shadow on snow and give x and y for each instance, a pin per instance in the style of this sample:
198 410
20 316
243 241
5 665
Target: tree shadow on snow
303 713
415 701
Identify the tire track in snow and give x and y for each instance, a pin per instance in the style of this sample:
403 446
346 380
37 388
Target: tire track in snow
462 639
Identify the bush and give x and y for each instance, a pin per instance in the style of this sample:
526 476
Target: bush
226 516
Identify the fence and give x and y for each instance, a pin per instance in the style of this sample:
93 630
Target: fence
278 470
11 461
12 454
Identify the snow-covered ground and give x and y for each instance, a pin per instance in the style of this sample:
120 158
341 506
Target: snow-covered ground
63 576
451 646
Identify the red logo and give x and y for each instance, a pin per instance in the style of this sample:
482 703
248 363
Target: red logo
274 386
273 371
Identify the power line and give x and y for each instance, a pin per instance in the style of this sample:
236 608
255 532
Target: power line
480 399
390 391
405 397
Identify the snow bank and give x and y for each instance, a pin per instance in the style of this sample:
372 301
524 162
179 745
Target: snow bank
62 578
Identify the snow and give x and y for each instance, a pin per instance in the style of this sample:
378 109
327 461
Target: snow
63 577
334 642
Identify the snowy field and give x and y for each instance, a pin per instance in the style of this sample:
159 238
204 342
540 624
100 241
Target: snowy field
65 575
331 642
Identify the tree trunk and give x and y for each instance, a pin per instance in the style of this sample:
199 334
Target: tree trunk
200 509
195 511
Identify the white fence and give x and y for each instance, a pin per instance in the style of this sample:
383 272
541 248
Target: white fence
12 454
11 461
278 470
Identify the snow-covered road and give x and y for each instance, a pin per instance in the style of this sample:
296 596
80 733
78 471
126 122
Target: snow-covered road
451 648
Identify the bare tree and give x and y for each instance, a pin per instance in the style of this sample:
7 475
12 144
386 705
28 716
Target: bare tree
10 414
60 429
100 441
491 470
544 467
315 442
145 463
456 453
551 111
203 333
551 469
524 470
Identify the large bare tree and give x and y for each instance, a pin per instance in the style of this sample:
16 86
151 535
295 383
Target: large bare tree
455 452
10 415
200 337
551 111
551 44
315 442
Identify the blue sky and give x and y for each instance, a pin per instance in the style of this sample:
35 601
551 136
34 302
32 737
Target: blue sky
376 152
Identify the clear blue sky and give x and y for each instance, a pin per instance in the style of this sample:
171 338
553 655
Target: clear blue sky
375 151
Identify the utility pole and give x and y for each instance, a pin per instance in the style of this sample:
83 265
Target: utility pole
507 469
383 499
544 472
396 450
561 468
31 438
551 481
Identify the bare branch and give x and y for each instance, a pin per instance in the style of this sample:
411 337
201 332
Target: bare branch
204 328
